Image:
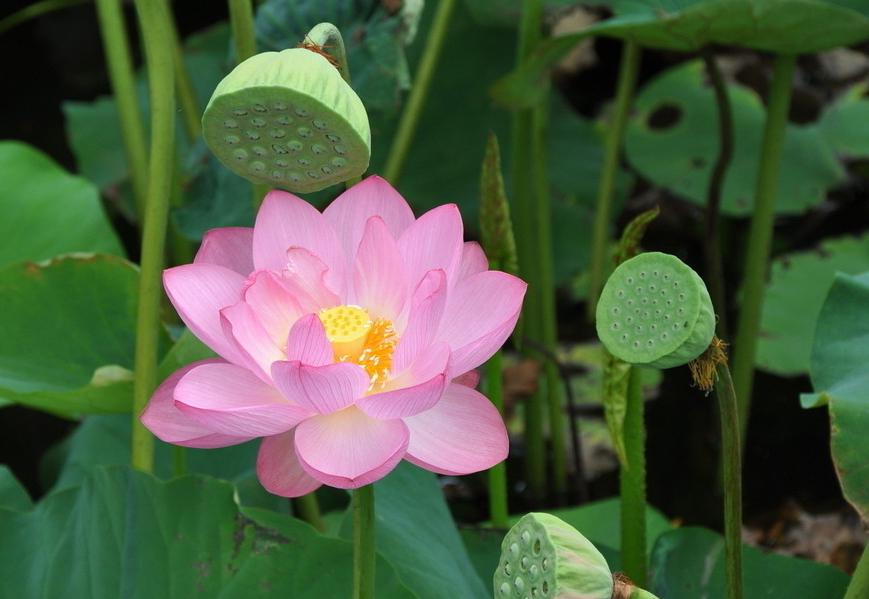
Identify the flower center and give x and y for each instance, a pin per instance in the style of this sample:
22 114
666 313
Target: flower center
355 337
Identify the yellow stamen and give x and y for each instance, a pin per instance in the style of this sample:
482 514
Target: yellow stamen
357 338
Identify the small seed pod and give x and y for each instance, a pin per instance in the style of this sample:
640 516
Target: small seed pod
287 119
543 557
655 310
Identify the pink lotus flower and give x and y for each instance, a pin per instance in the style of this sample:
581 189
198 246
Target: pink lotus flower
347 340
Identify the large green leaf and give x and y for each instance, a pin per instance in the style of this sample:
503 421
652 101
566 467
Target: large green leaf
688 563
12 495
125 534
679 150
839 372
46 211
416 533
786 26
798 284
68 333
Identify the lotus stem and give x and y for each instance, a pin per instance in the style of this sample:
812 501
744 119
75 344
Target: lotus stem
632 483
37 9
364 547
153 20
243 34
309 510
419 92
179 460
191 113
628 70
498 473
120 65
327 36
760 236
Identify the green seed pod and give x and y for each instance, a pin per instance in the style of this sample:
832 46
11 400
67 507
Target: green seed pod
288 119
543 557
655 310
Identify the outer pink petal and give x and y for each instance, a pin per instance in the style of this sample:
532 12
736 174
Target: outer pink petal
279 470
473 260
286 221
324 389
306 278
229 399
469 379
275 307
434 241
481 313
198 292
379 281
308 343
426 309
348 449
230 247
253 344
169 424
352 209
463 433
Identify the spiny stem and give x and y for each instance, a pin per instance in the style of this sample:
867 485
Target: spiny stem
858 588
760 236
419 92
153 20
114 33
632 483
364 546
309 510
731 467
525 225
714 265
628 70
498 473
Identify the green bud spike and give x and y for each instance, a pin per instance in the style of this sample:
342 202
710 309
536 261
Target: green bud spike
288 119
543 557
496 229
655 310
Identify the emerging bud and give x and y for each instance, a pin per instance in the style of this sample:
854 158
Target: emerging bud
543 556
288 119
496 228
655 310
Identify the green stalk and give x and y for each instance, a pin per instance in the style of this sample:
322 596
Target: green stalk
632 484
309 511
364 548
114 33
498 512
37 9
858 588
179 460
328 36
731 466
191 114
243 35
548 318
153 20
419 92
760 236
628 69
526 230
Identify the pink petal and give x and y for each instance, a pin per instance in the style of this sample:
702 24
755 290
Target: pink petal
275 307
285 221
230 247
278 468
324 389
469 379
426 309
379 281
231 400
462 433
199 291
473 260
480 315
308 343
351 210
169 424
348 449
434 241
305 277
253 344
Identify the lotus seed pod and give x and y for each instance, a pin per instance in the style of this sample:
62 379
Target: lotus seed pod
655 310
543 557
287 119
